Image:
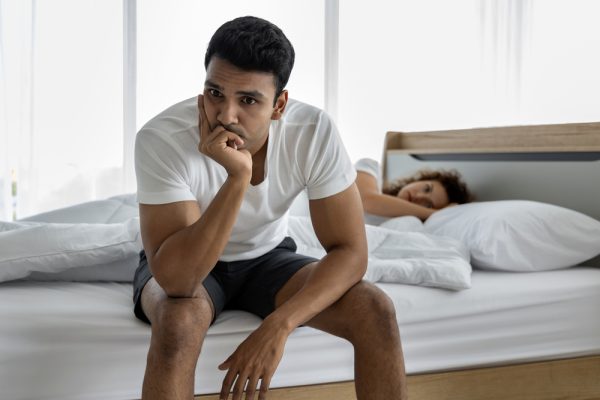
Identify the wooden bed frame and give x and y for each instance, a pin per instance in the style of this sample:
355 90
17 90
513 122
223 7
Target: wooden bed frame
572 379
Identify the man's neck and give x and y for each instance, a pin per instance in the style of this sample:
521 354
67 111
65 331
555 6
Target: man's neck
258 164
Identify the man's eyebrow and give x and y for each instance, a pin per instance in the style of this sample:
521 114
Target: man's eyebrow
213 85
249 93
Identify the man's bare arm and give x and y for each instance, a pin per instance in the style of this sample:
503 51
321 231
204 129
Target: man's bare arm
338 223
183 245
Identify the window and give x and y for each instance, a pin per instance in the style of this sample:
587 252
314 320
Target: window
63 102
63 86
70 100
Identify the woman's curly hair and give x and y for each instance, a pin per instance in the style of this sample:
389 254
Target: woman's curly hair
451 181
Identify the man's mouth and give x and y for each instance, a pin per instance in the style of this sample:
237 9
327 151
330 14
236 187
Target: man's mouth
233 129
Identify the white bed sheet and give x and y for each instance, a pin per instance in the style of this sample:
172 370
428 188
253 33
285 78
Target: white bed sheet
61 340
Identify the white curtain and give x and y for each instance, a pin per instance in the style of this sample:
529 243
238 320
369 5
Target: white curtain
72 96
62 97
16 60
67 86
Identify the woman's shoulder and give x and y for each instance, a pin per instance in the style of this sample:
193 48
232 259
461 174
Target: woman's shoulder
369 166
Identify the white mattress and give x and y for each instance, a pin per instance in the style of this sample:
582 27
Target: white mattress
61 340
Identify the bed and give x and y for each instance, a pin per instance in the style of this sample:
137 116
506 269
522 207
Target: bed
510 335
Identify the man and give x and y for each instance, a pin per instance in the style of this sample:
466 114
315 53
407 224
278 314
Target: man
216 176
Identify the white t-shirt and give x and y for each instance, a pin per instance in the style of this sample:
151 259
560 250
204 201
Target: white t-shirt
372 168
304 152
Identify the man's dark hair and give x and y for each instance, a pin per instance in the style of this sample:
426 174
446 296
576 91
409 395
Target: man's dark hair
254 44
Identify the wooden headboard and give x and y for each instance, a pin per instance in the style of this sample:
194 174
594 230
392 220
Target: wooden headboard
558 164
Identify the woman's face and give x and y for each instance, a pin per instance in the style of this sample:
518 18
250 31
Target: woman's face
430 194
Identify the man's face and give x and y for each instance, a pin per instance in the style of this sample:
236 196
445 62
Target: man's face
242 102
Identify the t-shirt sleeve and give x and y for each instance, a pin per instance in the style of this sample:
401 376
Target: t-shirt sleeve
161 170
329 170
371 167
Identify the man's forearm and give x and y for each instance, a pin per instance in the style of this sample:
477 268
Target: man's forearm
187 257
334 275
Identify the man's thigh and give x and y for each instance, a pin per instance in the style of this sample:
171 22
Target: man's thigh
343 316
270 273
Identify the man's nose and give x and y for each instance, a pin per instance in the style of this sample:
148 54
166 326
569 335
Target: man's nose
227 113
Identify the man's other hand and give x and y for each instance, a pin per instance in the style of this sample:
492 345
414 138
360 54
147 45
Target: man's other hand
256 358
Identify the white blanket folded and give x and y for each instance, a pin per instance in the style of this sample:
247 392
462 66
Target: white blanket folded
80 251
415 258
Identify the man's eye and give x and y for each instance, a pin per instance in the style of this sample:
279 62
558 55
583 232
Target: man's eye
248 100
214 92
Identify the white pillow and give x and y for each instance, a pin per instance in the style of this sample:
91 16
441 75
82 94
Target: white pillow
413 258
50 248
519 235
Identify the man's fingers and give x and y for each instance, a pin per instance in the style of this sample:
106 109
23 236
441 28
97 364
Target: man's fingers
228 383
240 384
224 137
225 364
251 388
264 387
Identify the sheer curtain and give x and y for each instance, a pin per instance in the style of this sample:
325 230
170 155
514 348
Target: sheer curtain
78 77
65 137
62 102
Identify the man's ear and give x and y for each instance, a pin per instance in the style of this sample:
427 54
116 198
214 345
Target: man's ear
280 104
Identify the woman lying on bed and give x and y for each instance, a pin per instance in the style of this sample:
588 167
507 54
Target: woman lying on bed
419 195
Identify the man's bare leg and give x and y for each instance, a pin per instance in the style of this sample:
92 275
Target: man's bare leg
179 326
365 316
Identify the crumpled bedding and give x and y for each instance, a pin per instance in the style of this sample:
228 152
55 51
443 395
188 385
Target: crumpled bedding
100 241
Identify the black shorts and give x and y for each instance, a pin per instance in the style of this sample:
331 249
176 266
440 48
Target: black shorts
249 285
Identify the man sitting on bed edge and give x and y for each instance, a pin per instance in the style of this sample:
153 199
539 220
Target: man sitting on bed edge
216 176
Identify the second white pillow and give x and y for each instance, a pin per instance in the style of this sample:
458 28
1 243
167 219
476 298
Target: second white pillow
519 235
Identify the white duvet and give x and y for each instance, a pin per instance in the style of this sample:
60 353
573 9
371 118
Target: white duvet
399 252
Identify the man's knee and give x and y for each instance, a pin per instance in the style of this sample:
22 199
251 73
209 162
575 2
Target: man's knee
373 312
180 325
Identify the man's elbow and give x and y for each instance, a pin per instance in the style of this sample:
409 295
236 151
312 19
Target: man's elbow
360 259
173 284
362 267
